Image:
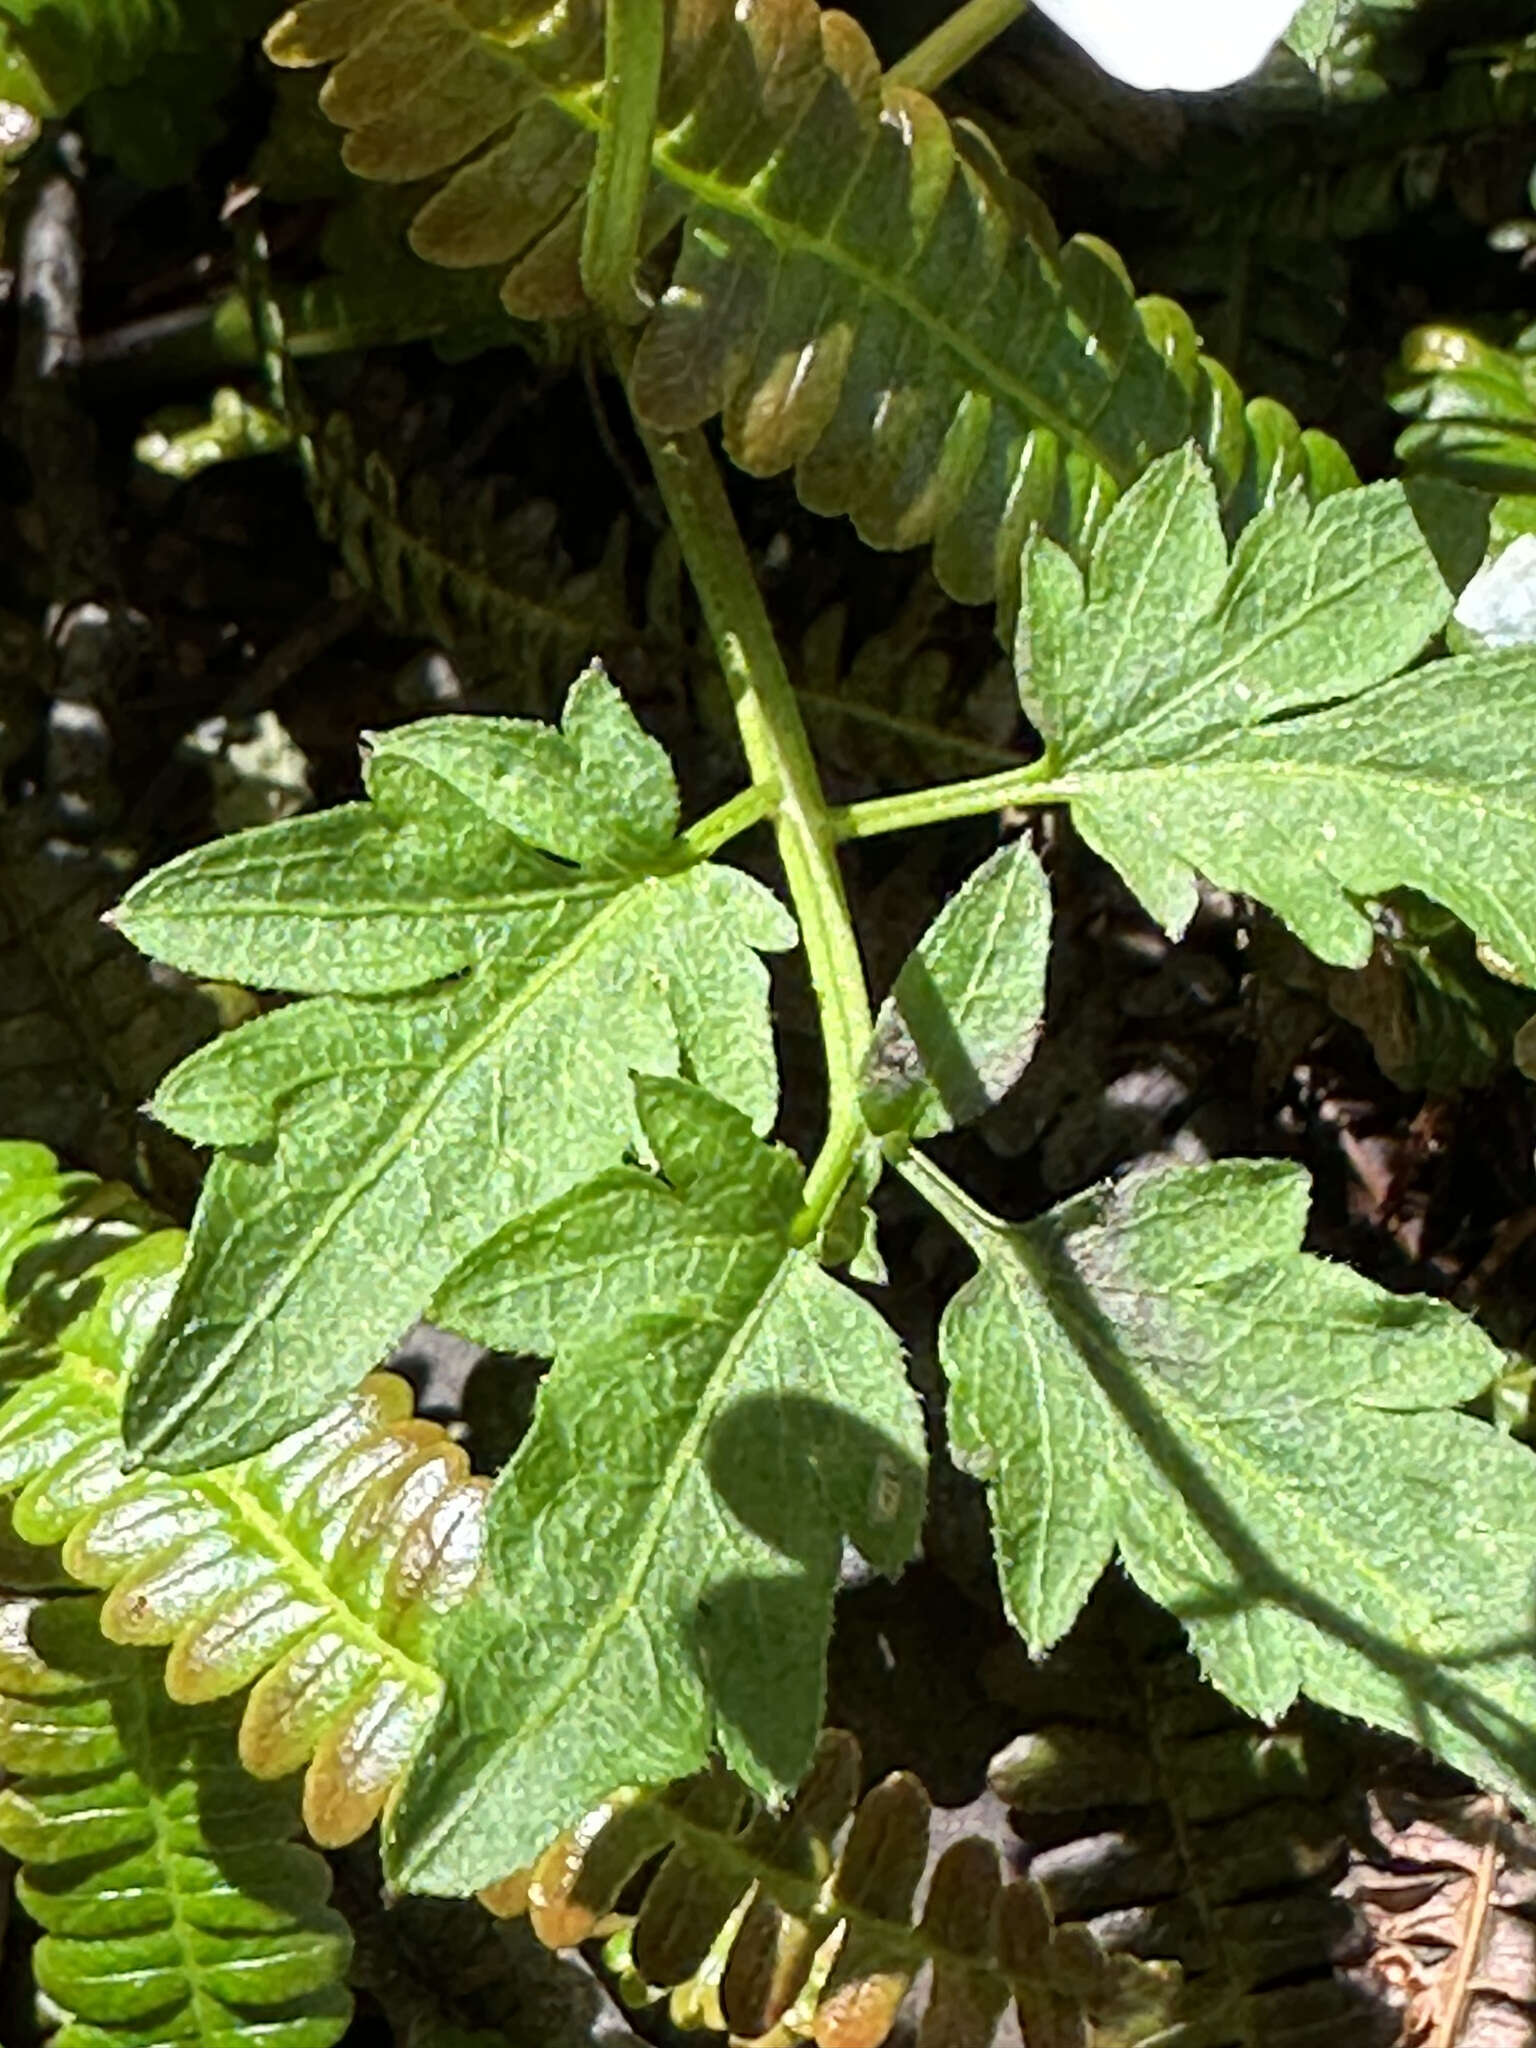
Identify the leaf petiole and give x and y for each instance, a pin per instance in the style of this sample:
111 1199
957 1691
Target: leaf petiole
728 821
945 800
956 40
966 1218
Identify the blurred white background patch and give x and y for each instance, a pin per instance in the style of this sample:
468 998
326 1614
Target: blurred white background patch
1174 45
1499 604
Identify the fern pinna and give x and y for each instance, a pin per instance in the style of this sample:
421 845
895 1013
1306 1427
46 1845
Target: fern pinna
802 1924
314 1575
861 291
174 1906
53 53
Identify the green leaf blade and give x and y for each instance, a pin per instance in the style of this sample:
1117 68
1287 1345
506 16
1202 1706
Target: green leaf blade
1265 739
347 902
665 1544
390 1135
966 1012
599 793
1277 1454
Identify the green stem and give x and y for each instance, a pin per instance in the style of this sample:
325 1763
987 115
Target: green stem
949 800
968 1221
955 42
780 759
728 821
635 40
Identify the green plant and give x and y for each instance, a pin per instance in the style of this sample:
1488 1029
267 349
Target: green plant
1174 691
513 1068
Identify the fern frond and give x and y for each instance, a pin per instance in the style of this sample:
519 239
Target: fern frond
801 1925
490 586
1360 169
175 1908
315 1573
1472 408
53 53
1171 1827
862 292
86 1028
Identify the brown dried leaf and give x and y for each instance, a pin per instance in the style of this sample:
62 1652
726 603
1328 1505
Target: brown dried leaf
1448 1890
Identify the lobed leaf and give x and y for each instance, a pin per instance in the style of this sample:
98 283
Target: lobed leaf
1248 721
664 1547
315 1576
1272 1445
174 1906
861 291
394 1136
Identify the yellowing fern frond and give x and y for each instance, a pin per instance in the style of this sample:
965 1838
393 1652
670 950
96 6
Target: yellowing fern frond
315 1573
861 290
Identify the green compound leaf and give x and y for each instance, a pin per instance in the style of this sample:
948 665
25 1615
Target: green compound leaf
965 1015
1269 1441
861 292
381 1133
174 1907
314 1575
664 1546
1248 721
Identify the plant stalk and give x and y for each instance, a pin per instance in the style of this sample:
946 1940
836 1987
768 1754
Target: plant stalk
729 820
953 44
969 1222
635 40
945 800
779 757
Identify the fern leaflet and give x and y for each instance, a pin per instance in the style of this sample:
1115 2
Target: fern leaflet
315 1574
798 1924
55 52
174 1906
490 587
1169 1826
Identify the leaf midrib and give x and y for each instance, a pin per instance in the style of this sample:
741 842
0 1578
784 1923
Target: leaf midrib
344 911
309 1578
212 2014
990 376
550 1702
172 1410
